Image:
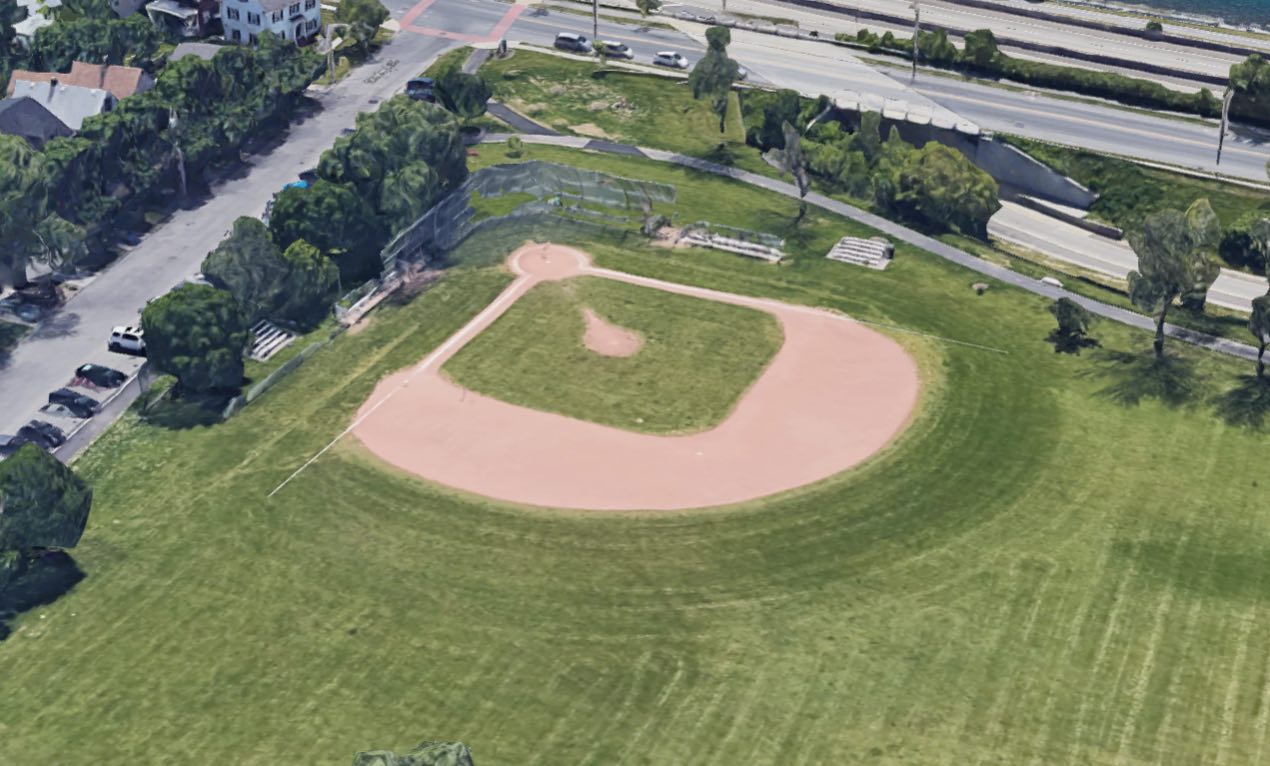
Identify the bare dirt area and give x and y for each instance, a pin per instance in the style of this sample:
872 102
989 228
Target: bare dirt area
834 394
607 339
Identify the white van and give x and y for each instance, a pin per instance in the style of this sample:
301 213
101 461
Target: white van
127 340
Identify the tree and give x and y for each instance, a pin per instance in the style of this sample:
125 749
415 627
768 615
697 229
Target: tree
774 110
198 334
1174 260
10 14
1246 242
1073 325
95 40
464 94
935 186
29 231
363 18
43 504
425 754
335 219
648 6
296 285
714 73
1250 80
981 49
1155 25
790 160
1259 326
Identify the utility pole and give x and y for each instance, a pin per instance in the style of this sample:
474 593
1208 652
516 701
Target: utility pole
595 20
1225 120
917 33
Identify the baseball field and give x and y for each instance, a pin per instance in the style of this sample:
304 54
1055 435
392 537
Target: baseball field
1061 559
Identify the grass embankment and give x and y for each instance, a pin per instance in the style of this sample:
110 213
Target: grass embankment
697 359
1038 571
588 99
1129 192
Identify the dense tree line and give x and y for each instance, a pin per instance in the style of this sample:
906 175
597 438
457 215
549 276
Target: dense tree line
981 57
936 187
199 113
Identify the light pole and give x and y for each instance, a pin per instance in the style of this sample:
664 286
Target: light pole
1225 120
917 33
595 20
330 50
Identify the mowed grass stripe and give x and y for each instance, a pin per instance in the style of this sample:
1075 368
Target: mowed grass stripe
698 356
368 609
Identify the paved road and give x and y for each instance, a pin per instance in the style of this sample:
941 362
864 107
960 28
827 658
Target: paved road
165 257
1072 244
917 239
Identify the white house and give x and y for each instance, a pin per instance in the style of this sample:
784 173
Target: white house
245 20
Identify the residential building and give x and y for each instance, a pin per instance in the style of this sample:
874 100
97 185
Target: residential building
185 18
119 81
28 119
69 103
245 20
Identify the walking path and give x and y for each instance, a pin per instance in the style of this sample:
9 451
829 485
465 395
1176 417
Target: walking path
903 234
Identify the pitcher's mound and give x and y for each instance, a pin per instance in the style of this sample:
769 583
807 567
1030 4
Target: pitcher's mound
834 394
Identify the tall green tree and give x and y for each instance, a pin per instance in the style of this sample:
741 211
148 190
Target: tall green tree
1175 259
197 333
363 18
94 40
790 160
43 504
464 94
1073 324
296 285
935 186
1250 80
714 73
10 14
29 230
1259 326
981 48
335 219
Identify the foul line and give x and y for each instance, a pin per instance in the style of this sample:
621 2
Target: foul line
512 292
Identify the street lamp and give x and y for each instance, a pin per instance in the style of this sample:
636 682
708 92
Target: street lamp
1225 120
917 33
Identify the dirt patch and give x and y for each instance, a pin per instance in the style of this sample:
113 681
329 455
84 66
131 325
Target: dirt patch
607 339
590 129
836 393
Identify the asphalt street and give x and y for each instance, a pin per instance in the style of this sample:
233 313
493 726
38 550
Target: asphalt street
1072 244
168 255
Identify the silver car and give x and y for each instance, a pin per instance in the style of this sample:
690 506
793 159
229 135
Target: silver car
671 59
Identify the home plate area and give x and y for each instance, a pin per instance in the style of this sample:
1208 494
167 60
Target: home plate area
833 394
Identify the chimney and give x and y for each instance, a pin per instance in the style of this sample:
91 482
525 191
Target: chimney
52 87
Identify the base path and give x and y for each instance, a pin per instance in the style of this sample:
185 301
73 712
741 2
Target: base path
835 393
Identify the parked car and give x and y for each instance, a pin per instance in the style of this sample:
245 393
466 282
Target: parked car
615 50
671 59
9 444
422 89
127 340
742 72
106 377
43 434
569 41
80 405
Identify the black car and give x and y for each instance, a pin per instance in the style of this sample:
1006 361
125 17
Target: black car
106 377
80 406
43 433
9 444
422 89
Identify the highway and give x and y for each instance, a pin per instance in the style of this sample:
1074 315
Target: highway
1072 244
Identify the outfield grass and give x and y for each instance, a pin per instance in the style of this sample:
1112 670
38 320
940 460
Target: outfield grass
698 356
1040 571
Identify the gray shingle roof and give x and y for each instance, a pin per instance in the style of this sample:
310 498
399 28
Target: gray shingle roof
25 117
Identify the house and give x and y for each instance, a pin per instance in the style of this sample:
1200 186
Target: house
119 81
185 18
69 103
245 20
27 118
38 14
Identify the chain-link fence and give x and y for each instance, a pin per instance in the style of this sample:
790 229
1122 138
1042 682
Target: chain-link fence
560 191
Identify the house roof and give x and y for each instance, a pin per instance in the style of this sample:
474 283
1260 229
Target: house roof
205 51
69 103
120 81
27 118
269 6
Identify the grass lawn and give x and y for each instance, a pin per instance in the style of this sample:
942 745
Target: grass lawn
586 99
698 356
10 334
1130 192
1060 562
